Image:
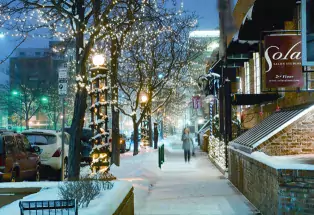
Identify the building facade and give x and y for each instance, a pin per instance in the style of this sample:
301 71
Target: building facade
33 80
270 92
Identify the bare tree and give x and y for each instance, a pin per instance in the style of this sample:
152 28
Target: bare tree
25 103
156 65
86 23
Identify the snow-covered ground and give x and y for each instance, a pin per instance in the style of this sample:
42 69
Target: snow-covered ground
179 188
106 202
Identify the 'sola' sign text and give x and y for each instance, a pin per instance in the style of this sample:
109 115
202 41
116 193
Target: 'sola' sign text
283 61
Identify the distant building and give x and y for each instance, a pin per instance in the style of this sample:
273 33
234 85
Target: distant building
195 114
37 68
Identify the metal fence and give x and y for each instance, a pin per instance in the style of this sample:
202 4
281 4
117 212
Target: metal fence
51 207
161 155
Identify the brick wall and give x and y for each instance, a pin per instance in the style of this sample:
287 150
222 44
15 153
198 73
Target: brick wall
298 138
272 191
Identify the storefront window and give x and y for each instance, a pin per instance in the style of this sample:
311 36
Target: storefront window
247 77
257 74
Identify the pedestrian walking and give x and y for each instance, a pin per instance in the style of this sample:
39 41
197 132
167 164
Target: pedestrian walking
187 145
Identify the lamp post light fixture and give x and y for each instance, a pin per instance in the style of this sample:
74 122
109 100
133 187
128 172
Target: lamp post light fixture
98 60
98 93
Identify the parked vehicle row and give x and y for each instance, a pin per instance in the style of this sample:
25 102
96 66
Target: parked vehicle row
50 144
23 156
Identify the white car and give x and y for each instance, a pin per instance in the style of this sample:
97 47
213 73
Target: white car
50 143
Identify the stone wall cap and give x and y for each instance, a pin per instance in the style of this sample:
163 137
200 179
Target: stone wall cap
287 162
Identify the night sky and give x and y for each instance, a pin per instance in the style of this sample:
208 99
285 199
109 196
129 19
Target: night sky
205 9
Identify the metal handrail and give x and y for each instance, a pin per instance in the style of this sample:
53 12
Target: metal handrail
49 205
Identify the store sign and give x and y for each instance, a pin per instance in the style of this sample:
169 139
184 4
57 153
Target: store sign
308 32
283 61
196 102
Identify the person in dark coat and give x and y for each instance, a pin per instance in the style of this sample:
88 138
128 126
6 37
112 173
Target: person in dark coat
155 135
187 145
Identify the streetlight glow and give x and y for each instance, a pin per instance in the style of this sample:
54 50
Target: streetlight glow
98 60
14 92
144 98
2 35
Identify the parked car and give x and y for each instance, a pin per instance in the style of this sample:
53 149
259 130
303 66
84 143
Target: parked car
122 141
50 143
86 146
18 159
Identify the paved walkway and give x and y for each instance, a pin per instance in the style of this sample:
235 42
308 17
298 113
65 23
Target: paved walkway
180 188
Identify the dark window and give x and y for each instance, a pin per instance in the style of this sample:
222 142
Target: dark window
33 78
22 53
9 144
27 145
41 139
20 143
37 53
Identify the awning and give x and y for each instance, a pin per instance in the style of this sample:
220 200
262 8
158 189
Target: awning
216 68
266 15
206 125
240 47
266 129
253 99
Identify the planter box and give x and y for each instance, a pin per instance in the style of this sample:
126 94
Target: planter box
272 190
117 201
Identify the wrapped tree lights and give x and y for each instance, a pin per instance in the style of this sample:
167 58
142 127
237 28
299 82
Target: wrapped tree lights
99 116
144 123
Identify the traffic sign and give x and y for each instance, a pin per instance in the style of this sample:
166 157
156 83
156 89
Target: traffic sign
63 86
63 73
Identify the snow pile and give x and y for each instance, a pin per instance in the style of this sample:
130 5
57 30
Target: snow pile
105 203
283 162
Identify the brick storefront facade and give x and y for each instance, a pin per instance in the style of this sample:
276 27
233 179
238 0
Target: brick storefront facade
298 138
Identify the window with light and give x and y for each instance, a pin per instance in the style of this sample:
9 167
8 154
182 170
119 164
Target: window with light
247 78
257 74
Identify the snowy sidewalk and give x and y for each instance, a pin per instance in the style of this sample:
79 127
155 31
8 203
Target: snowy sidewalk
179 188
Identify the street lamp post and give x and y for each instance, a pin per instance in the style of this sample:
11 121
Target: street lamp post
99 114
144 122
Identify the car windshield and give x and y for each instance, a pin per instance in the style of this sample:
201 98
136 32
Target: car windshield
41 139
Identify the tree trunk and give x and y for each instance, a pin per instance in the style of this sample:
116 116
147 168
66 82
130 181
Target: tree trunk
76 133
79 105
162 127
150 129
26 121
135 128
115 157
55 120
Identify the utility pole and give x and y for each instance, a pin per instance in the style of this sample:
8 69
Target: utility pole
226 26
62 148
62 87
